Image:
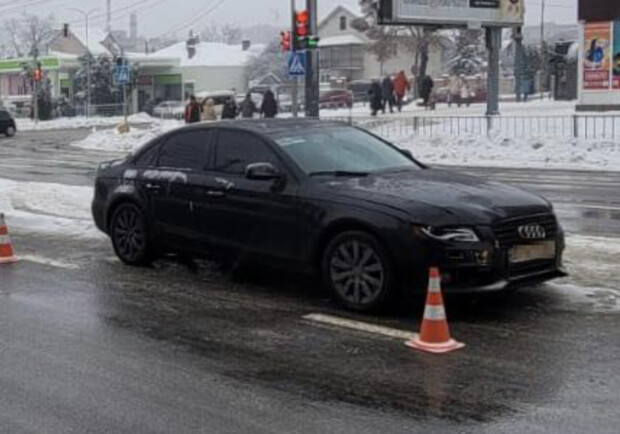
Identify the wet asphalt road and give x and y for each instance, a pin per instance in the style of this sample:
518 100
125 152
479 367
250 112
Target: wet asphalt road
90 346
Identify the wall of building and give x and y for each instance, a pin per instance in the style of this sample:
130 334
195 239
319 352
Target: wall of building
214 78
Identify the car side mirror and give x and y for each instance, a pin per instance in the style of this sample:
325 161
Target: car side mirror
407 153
262 172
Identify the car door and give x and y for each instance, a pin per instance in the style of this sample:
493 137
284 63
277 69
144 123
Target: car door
246 215
5 118
172 184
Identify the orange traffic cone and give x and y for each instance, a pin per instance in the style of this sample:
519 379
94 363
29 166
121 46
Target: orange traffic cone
435 334
6 248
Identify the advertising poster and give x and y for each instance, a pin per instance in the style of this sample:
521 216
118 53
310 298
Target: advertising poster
597 58
615 60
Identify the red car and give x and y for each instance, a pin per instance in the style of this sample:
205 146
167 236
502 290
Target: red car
336 98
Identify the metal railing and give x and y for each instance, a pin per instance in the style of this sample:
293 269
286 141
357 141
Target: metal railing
602 127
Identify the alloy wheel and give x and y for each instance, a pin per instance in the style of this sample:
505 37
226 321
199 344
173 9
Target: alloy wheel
130 238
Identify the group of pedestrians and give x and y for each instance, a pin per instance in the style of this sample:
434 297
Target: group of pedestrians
389 93
459 91
196 112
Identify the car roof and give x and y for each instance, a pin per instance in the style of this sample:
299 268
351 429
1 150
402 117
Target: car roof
269 126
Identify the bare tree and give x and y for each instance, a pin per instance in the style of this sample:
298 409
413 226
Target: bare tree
231 34
27 34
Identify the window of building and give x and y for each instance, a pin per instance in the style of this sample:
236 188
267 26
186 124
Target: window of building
343 23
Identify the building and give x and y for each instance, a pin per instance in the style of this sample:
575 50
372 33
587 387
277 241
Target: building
344 52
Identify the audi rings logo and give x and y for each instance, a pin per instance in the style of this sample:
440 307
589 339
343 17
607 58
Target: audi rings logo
532 232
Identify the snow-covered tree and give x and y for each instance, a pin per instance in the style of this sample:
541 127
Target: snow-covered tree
470 52
271 61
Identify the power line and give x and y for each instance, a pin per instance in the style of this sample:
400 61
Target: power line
194 20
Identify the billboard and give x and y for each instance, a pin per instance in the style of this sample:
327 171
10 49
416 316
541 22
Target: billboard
453 13
599 10
615 56
597 56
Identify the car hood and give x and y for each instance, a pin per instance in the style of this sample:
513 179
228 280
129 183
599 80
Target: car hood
450 197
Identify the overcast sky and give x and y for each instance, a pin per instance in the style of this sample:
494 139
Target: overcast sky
164 16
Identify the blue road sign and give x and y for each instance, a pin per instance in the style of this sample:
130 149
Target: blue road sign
297 63
122 75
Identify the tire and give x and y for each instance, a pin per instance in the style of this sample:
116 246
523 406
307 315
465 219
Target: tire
358 271
130 235
10 131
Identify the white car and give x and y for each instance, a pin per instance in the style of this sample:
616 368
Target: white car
169 109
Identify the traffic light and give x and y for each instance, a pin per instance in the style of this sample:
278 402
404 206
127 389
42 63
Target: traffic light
285 41
38 73
301 30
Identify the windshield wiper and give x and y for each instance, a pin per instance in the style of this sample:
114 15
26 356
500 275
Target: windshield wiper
340 173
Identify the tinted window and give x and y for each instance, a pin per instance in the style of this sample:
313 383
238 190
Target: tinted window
237 149
4 115
341 149
188 150
147 156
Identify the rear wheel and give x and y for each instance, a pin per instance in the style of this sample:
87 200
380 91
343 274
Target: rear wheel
357 269
130 236
10 131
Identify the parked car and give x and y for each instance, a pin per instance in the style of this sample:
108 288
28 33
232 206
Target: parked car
360 90
326 197
335 98
169 109
7 123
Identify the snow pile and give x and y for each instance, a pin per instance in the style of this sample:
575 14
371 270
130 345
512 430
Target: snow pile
111 140
24 124
48 209
578 154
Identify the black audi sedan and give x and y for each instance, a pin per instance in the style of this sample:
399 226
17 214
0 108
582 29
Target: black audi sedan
324 197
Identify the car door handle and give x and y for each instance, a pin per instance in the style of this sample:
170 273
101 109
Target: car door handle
153 187
215 193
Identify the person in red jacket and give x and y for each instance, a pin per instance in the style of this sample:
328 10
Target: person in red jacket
192 111
401 87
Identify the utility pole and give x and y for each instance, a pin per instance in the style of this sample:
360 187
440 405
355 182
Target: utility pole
543 50
494 42
312 65
86 16
294 91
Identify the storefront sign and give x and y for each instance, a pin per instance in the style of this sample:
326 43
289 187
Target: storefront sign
597 56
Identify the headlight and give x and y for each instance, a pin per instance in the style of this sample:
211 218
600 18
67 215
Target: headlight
458 235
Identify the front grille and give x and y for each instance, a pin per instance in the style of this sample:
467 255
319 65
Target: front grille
507 231
532 267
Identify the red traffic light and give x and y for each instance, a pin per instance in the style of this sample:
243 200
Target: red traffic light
302 17
38 74
285 41
301 24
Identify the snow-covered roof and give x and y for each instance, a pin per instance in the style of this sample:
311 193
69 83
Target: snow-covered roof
337 10
211 54
341 40
95 37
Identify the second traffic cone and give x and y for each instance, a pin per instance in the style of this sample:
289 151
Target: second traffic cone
6 248
435 334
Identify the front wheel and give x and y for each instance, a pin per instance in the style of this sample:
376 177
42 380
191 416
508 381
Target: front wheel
130 236
357 269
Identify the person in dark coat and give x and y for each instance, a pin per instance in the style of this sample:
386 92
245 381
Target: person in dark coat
230 109
426 88
376 97
269 107
387 89
192 111
247 107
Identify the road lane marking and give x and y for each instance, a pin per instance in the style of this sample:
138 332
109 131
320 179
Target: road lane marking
50 262
359 326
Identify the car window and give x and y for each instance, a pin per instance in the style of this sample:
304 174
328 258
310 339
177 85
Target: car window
237 149
148 154
186 150
4 115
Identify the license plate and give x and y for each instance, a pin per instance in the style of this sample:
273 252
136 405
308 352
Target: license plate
532 252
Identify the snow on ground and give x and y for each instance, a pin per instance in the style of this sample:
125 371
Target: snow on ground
48 209
111 140
24 124
577 154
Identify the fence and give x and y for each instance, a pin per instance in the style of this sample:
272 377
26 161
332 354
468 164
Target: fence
603 127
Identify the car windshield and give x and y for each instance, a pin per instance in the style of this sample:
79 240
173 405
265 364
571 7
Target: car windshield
342 150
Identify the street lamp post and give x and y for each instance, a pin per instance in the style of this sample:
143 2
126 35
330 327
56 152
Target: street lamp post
86 16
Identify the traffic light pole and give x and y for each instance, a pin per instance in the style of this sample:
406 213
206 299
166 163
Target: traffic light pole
294 91
36 86
312 65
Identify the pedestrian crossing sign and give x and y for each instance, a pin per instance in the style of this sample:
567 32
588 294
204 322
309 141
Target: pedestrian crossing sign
122 75
297 63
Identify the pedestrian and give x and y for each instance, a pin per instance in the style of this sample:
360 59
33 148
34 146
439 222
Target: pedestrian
387 90
247 107
426 89
269 107
454 90
401 87
465 92
230 110
192 111
208 111
376 97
